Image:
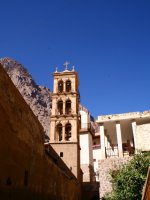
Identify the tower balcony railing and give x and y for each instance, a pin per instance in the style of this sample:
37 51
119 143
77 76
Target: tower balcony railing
59 112
96 146
87 127
67 112
113 152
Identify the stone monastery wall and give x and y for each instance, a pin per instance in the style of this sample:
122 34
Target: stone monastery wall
26 170
105 167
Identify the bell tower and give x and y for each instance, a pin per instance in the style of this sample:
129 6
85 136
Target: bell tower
64 126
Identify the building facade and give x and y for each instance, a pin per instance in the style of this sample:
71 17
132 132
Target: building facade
65 119
86 142
96 154
124 134
120 136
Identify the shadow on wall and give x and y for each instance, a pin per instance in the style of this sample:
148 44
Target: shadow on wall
96 197
90 190
27 169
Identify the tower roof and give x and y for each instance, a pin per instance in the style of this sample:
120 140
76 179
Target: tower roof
66 64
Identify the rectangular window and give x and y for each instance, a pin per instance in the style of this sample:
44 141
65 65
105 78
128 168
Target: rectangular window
61 154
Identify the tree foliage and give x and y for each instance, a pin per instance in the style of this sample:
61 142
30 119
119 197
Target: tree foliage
128 182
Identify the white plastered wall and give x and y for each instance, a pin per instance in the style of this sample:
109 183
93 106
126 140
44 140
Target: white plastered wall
143 137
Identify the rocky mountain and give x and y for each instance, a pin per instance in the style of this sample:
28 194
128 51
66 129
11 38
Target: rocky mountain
36 96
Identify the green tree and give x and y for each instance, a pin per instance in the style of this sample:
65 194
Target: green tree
128 182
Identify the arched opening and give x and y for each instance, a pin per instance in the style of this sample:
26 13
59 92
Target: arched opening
68 107
68 86
60 107
67 131
59 132
60 86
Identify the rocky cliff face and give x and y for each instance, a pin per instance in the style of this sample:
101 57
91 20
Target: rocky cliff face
36 96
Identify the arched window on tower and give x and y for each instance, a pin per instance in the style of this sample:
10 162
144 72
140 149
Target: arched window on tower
68 107
68 86
67 131
60 107
59 132
60 86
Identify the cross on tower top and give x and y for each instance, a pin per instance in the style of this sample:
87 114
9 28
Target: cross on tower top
66 65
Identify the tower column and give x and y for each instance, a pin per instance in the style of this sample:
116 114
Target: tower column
134 135
67 139
64 104
102 137
119 139
64 86
106 142
73 85
54 106
52 130
63 133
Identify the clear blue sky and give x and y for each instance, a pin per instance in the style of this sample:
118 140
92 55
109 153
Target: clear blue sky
108 41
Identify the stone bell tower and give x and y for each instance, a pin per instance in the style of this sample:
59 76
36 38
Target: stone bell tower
64 126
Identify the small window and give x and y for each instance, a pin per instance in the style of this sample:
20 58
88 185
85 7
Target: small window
60 86
60 107
61 154
68 86
68 132
59 132
68 107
